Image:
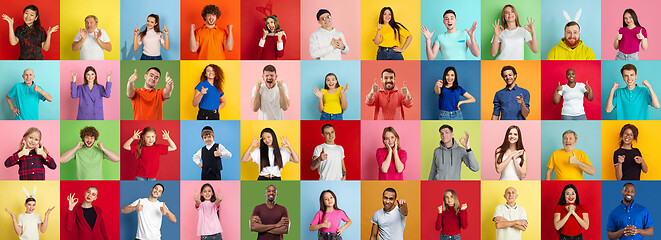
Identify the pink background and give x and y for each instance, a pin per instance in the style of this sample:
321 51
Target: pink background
69 106
530 131
230 215
611 21
405 71
409 135
13 133
344 13
554 72
289 71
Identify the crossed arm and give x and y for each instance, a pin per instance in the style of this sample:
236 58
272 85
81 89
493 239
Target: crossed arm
282 227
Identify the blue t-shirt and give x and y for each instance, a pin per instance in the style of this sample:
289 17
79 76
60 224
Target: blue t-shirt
632 104
633 214
452 45
448 99
211 100
506 106
26 100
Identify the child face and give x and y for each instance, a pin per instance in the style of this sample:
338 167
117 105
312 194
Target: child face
29 16
150 138
331 82
90 195
207 193
267 138
32 140
30 206
89 141
329 200
208 139
151 22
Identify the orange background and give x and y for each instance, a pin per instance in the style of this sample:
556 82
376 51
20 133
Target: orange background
528 77
191 13
372 200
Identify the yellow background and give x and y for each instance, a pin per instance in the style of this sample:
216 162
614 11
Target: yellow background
287 128
372 200
528 77
405 12
529 198
190 77
48 195
72 19
648 134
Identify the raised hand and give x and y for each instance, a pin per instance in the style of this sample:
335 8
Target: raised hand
344 90
620 158
441 208
323 155
40 151
379 26
168 80
133 76
166 134
217 153
97 35
464 206
280 83
49 210
83 33
138 207
465 140
196 197
471 32
405 90
640 35
109 76
619 36
279 34
100 144
204 91
79 145
439 84
530 25
587 86
72 201
497 28
646 83
25 151
639 159
401 202
559 88
519 99
428 35
165 30
136 134
265 33
8 19
10 213
375 86
229 27
285 143
164 209
573 159
615 86
192 27
255 142
136 31
53 29
318 93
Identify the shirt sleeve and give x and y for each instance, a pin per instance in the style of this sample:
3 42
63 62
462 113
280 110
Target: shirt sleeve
255 154
105 92
496 105
647 220
615 96
286 155
104 37
584 158
134 203
524 215
375 220
199 87
551 163
197 156
380 156
12 92
370 102
317 48
78 37
41 34
498 212
317 152
527 37
224 153
317 218
526 98
612 223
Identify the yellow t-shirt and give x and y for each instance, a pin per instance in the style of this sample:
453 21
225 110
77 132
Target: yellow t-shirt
563 169
332 102
388 36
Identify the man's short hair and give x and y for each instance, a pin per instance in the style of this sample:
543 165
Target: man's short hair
210 9
449 11
158 184
321 12
392 190
89 131
269 68
628 67
267 187
388 70
572 23
327 125
570 131
92 16
155 69
629 184
505 68
446 126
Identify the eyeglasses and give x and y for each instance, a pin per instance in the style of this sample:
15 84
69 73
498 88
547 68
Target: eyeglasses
324 18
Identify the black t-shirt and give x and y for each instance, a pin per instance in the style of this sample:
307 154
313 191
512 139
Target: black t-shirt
630 169
90 216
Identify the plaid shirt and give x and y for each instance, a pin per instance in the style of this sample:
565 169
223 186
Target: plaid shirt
31 166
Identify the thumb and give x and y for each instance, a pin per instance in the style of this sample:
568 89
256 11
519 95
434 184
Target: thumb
135 71
167 74
404 83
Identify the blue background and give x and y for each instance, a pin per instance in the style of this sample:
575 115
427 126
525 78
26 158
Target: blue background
647 194
226 132
431 15
589 135
136 12
47 77
132 190
468 75
313 73
347 200
610 72
553 23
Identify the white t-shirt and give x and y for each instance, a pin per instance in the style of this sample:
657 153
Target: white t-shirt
320 47
270 102
91 50
272 169
512 43
510 214
331 168
30 224
149 219
152 41
391 224
573 99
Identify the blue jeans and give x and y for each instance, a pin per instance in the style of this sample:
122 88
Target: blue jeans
216 236
451 115
579 117
145 57
447 237
624 56
328 116
137 178
387 53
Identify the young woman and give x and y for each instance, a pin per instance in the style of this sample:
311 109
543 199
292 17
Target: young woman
451 217
449 94
332 99
31 35
272 43
31 157
573 94
391 158
570 216
510 37
328 218
30 221
630 37
152 37
86 218
388 36
208 205
628 160
209 94
269 156
148 152
511 158
90 95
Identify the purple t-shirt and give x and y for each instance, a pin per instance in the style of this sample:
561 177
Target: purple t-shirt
333 217
630 43
392 173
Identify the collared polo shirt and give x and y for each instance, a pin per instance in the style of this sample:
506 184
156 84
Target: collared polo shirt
388 105
211 42
632 104
510 214
148 104
27 101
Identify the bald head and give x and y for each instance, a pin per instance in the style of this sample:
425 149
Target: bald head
511 195
28 76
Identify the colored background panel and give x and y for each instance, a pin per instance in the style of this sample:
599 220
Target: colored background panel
191 13
69 105
468 76
226 133
588 133
491 11
49 15
313 74
168 164
190 75
73 19
344 14
530 132
229 214
288 71
405 71
346 200
647 143
529 198
44 72
252 15
432 17
611 74
430 140
647 195
289 129
107 198
253 194
134 190
344 136
588 195
553 24
48 195
108 136
407 13
528 75
371 193
170 106
136 12
13 132
432 197
556 71
612 12
371 140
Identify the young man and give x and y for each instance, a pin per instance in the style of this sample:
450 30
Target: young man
511 102
150 214
27 96
631 101
510 218
91 41
327 43
270 97
88 157
270 220
629 220
29 224
569 163
389 222
571 46
446 164
148 101
209 157
388 101
329 157
210 41
452 43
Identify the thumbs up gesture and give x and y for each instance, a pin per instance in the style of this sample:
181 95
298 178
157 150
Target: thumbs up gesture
573 159
326 224
138 206
133 76
375 86
323 155
168 80
164 209
640 34
405 90
217 153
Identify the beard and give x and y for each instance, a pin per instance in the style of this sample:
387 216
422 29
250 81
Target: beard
573 43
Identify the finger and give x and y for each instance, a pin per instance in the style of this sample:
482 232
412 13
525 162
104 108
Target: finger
135 71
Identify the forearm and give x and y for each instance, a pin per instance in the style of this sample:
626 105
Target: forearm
609 102
589 169
246 156
643 44
549 174
343 102
646 232
505 224
346 225
279 230
616 43
46 44
112 156
221 103
589 95
583 222
556 97
474 47
377 37
560 222
172 146
44 225
166 44
320 106
13 40
135 42
407 42
130 89
192 43
386 163
105 45
430 52
167 92
197 98
534 46
644 167
18 229
45 94
229 43
618 171
66 156
128 209
520 171
315 163
170 216
615 235
256 102
11 105
399 165
495 117
655 99
524 110
316 227
77 45
294 155
495 44
284 100
258 227
127 144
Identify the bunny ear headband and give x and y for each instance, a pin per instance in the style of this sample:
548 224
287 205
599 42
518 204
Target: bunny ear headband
34 192
578 15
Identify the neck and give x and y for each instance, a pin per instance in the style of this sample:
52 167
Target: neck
631 87
327 28
29 24
626 146
86 205
147 87
330 142
448 144
569 149
512 147
270 204
452 30
510 87
511 204
571 84
511 25
631 26
29 85
152 199
388 210
329 209
627 203
210 26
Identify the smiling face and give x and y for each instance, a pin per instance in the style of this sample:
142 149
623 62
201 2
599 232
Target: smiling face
267 138
389 139
32 140
571 76
30 206
325 21
90 24
569 141
270 25
627 137
210 19
207 193
151 78
90 195
629 77
156 191
269 78
387 16
151 22
90 76
449 199
449 78
271 193
329 200
628 192
509 14
449 20
29 16
572 35
329 135
331 82
209 73
509 77
628 19
208 139
88 141
513 136
570 195
388 201
388 80
446 135
150 138
28 76
510 196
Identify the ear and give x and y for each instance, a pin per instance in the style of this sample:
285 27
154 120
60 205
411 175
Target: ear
566 15
578 15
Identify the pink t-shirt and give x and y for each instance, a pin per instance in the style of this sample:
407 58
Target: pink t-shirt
333 217
207 221
630 43
392 173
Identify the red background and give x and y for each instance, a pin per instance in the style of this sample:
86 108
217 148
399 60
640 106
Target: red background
289 16
49 14
405 71
107 200
169 164
431 196
346 133
191 14
589 193
554 72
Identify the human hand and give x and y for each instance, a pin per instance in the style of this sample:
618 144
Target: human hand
471 31
323 155
619 36
204 91
133 76
285 142
49 210
72 201
8 19
136 31
25 151
258 84
229 27
79 145
615 86
640 35
465 140
53 29
379 26
397 49
318 93
165 30
10 213
83 33
587 86
459 105
519 99
100 145
136 134
279 82
497 28
108 76
344 90
441 208
279 34
573 159
530 25
35 87
265 33
97 35
40 151
646 83
164 209
199 164
326 224
284 221
16 111
138 207
405 90
620 158
639 159
428 35
401 202
168 81
166 134
196 197
255 142
339 231
340 44
375 86
464 206
192 27
559 88
439 84
217 153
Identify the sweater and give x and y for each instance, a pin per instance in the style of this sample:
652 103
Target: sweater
76 221
446 164
450 223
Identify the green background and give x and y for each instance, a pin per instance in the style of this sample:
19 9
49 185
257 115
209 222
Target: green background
491 10
70 136
252 194
430 139
170 106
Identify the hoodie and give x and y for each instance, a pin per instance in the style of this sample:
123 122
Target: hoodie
564 52
446 164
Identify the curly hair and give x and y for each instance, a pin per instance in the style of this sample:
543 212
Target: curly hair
218 79
89 131
210 9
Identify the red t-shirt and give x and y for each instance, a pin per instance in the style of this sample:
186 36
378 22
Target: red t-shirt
571 228
149 159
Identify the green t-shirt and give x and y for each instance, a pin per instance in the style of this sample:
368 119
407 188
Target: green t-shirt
89 164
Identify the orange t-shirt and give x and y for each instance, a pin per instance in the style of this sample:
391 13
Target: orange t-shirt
148 104
211 43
